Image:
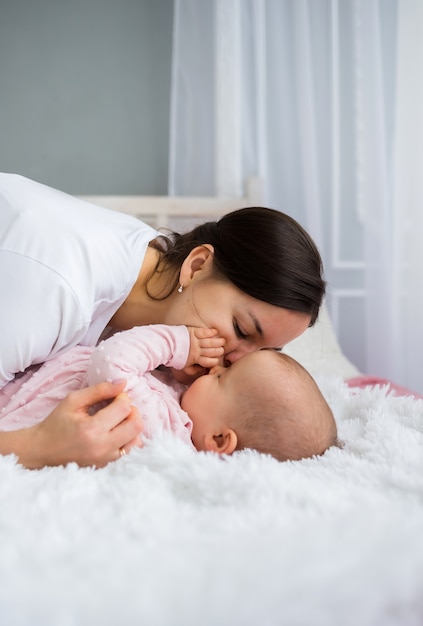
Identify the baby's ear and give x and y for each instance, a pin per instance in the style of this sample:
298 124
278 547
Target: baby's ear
224 443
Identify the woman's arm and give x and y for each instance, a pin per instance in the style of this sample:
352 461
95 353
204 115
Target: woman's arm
71 433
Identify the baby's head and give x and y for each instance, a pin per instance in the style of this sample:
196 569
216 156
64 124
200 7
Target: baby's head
265 401
284 412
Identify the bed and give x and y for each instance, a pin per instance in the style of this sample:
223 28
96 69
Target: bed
167 536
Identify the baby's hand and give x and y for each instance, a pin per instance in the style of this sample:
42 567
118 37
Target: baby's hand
206 347
206 351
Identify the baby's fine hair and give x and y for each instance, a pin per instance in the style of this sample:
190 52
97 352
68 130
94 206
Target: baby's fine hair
263 252
283 413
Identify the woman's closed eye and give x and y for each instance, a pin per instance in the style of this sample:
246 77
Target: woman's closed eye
239 331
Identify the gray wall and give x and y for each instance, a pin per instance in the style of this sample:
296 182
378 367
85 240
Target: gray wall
85 92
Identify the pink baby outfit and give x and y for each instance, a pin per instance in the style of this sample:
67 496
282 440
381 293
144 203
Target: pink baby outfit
132 354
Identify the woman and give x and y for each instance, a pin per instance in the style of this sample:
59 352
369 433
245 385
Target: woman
70 272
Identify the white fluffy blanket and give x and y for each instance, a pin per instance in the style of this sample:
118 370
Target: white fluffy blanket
169 537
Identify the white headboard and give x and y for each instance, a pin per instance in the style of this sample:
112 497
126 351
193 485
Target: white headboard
161 211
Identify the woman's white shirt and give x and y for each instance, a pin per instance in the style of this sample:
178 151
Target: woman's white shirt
66 266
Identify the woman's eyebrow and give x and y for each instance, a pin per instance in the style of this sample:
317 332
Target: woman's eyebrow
257 324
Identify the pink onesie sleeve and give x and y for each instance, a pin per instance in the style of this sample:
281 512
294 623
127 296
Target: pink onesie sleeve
131 353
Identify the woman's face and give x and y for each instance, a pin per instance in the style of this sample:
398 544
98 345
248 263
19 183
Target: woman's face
245 323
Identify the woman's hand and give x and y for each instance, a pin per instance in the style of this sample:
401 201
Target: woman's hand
71 433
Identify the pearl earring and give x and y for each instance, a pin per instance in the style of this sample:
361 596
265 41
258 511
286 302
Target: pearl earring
180 288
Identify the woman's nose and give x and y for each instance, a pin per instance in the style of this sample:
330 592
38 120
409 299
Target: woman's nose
237 353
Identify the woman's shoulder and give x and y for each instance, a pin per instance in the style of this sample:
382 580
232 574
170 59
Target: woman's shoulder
66 233
24 201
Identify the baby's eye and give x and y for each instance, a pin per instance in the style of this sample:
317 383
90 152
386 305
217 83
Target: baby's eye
239 333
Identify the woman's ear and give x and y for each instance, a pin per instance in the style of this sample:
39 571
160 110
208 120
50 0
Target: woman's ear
224 443
200 259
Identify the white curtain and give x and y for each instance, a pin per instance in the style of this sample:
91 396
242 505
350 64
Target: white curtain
323 99
392 188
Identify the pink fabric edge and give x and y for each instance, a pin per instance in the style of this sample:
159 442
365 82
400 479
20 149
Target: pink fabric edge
371 381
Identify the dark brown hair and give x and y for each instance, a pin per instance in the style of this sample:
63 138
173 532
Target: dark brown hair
263 252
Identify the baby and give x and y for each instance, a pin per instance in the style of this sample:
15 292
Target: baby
266 400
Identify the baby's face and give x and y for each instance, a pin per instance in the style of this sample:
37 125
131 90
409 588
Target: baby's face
212 398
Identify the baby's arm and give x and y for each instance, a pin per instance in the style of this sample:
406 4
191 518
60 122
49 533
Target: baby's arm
131 353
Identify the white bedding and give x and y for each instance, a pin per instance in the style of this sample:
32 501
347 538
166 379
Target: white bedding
169 537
